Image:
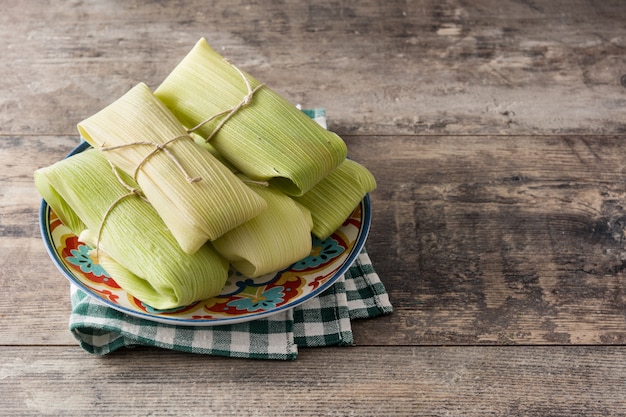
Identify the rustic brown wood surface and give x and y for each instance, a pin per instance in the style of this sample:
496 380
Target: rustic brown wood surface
414 381
496 131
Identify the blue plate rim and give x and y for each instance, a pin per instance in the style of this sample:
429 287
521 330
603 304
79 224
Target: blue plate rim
356 250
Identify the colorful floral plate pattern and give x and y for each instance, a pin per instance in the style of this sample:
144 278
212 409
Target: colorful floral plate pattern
242 298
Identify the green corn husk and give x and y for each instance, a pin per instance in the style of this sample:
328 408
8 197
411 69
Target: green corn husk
268 140
134 245
207 145
194 211
336 196
273 240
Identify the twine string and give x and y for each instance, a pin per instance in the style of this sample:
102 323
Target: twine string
157 147
233 110
132 191
164 148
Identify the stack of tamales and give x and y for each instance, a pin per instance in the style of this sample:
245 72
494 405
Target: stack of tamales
212 169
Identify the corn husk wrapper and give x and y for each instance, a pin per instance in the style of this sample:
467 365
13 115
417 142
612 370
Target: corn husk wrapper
268 139
135 246
194 211
273 240
207 145
334 198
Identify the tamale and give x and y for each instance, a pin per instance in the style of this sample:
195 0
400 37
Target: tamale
334 198
207 145
257 130
273 240
198 197
128 237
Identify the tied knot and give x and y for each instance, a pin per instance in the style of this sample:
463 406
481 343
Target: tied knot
228 113
158 147
248 98
136 191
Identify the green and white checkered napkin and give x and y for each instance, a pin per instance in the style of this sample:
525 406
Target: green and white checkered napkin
321 321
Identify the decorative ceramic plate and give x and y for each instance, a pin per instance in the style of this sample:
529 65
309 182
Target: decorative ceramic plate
242 298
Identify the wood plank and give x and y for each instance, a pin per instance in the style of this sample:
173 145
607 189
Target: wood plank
479 240
39 295
508 240
471 381
427 67
495 130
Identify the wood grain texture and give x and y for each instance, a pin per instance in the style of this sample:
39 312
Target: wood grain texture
392 67
496 132
38 293
499 240
497 381
479 240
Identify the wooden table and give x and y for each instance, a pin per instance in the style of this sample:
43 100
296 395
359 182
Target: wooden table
496 131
